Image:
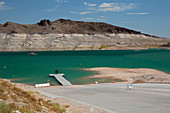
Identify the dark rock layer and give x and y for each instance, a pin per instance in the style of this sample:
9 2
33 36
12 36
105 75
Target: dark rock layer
166 45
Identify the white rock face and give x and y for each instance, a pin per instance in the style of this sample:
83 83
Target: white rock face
51 42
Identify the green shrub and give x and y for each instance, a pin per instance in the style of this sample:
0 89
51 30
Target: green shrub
4 108
66 106
1 89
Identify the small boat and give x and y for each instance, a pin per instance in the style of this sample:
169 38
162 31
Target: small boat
32 53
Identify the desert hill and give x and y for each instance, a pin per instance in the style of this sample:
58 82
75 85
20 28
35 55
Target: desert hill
64 26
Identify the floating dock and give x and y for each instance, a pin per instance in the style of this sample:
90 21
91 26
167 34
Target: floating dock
61 79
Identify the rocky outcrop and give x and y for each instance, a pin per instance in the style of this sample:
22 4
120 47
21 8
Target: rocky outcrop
51 42
44 22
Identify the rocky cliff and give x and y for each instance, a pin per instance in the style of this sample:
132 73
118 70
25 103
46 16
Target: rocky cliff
72 35
51 42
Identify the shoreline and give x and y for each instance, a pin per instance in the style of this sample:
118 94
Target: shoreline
126 74
89 49
131 75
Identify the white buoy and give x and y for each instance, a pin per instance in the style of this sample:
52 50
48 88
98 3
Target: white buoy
96 82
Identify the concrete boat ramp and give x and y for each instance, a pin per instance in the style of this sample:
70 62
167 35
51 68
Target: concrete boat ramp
61 79
115 98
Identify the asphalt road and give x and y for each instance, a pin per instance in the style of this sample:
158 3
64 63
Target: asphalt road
142 98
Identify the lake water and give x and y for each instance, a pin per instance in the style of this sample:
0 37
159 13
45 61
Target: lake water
31 69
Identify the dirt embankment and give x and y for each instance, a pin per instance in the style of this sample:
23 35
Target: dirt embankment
131 75
26 98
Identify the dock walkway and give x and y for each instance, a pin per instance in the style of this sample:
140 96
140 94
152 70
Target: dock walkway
61 79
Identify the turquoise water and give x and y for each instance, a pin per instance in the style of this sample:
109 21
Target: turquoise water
29 69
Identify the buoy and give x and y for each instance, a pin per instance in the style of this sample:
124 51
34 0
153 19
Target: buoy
56 71
95 82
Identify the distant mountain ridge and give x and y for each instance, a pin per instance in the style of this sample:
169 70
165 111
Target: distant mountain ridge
73 35
66 27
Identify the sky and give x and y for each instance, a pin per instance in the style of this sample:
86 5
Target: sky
147 16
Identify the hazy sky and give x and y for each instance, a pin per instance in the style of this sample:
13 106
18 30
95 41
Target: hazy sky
147 16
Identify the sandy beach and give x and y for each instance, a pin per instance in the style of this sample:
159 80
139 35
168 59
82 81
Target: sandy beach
131 75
